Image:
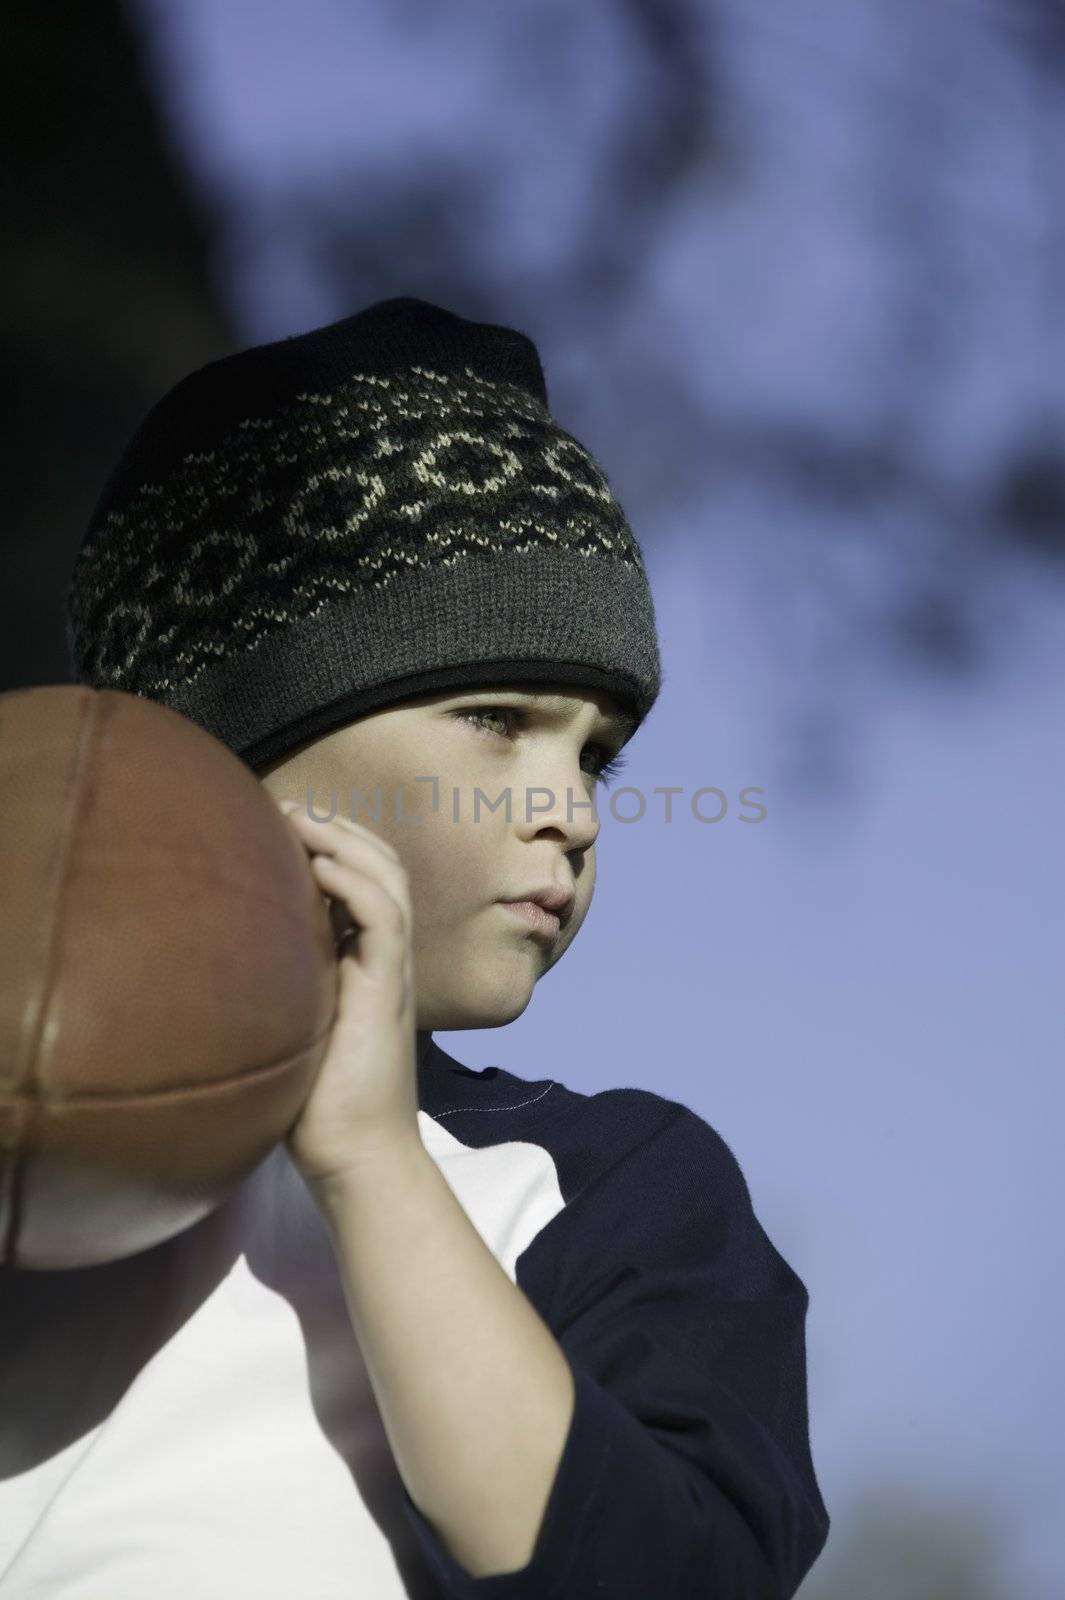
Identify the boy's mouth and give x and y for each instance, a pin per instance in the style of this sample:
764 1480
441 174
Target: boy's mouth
539 920
554 897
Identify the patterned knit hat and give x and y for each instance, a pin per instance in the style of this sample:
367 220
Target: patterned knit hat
311 529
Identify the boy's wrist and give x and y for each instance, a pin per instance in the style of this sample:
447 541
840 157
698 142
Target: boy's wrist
376 1164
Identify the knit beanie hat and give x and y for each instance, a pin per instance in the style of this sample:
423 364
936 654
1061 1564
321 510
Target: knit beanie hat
307 530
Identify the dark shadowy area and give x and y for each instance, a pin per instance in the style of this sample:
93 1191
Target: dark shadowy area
107 297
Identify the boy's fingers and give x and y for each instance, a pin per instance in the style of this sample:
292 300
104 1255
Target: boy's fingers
351 881
354 830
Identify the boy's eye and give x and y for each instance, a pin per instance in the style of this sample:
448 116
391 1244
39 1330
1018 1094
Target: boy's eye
480 712
605 767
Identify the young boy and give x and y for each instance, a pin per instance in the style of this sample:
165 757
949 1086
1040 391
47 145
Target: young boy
461 1334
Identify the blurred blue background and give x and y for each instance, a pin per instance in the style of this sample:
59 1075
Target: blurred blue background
797 277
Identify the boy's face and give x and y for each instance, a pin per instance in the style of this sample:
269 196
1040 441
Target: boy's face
476 961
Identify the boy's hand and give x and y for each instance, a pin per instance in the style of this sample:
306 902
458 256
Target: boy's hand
365 1097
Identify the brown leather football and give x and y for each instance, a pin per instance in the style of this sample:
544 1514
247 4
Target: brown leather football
168 975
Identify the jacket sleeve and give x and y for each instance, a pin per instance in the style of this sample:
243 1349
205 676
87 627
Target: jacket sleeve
687 1470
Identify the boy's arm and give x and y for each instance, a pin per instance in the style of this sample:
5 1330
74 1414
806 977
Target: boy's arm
474 1392
679 1461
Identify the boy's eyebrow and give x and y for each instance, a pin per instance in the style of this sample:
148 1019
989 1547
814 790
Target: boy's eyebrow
620 723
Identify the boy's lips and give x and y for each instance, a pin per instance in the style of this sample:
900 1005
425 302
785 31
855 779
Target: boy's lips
545 909
553 897
535 917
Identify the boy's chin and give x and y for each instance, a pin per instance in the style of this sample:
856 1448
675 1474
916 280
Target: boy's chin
472 1009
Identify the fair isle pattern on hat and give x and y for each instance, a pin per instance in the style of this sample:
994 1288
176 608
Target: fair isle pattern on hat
352 544
340 491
